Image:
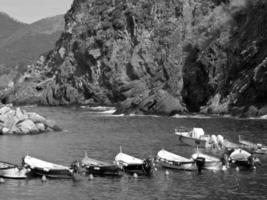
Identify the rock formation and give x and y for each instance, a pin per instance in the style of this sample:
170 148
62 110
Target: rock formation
157 56
21 122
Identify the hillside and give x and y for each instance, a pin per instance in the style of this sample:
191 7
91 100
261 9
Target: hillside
158 56
8 25
24 43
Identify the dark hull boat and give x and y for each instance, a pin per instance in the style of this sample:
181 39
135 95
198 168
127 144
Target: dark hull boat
43 168
12 171
95 167
134 165
242 159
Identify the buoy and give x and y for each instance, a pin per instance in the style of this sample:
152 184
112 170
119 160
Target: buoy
224 168
91 177
135 175
237 169
2 180
167 173
44 178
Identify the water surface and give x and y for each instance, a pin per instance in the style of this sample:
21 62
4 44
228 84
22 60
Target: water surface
101 135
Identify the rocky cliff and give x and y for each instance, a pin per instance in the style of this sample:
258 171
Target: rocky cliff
156 56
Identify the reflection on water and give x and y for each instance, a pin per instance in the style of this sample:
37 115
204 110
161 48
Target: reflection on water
101 134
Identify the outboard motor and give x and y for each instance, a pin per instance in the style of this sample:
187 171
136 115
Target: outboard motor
200 162
148 165
251 162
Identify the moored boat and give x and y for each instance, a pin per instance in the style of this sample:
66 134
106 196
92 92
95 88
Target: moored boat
197 138
230 145
252 147
208 162
43 168
173 161
133 165
95 167
242 159
8 170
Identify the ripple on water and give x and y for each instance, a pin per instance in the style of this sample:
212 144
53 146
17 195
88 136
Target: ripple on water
101 135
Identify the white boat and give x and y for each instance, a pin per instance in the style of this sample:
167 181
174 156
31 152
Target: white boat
173 161
40 167
196 137
242 159
131 164
252 147
12 171
210 162
92 166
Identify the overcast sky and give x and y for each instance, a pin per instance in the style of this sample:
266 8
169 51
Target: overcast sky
32 10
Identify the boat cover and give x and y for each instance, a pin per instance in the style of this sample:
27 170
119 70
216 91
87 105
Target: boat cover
240 154
37 163
90 161
127 159
163 154
4 165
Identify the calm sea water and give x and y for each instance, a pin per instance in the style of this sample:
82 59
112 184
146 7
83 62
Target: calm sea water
101 136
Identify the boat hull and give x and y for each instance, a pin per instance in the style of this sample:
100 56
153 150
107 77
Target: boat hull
140 169
194 142
14 173
53 173
108 170
209 162
177 166
133 165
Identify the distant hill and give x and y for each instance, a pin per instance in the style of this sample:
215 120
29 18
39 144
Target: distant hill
24 43
8 25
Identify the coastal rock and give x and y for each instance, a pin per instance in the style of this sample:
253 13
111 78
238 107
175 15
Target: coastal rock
40 127
21 122
155 57
27 127
52 125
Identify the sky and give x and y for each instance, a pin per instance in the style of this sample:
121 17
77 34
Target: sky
29 11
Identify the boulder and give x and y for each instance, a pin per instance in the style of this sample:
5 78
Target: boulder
251 112
5 131
20 116
40 127
36 117
21 122
4 110
52 125
27 127
263 111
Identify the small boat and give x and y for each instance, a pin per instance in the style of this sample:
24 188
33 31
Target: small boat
197 138
133 165
252 147
95 167
173 161
8 170
208 162
230 145
242 159
43 168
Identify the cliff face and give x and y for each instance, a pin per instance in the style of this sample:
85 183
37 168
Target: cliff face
157 56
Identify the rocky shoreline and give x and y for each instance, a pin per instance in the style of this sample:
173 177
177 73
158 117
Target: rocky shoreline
156 57
20 122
